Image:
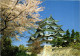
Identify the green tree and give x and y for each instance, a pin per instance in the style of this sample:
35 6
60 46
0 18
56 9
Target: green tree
66 38
76 43
72 36
22 51
59 42
7 49
54 42
77 37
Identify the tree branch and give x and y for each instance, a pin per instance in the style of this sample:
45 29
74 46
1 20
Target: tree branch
16 16
19 13
16 2
5 22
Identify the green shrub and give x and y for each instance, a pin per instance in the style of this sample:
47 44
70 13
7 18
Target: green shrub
75 45
33 55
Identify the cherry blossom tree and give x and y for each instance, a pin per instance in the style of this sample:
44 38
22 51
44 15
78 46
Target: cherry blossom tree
17 16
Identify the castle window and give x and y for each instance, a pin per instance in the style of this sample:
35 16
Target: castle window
49 22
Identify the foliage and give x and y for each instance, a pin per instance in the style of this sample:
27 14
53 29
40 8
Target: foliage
69 39
17 16
72 36
72 39
75 45
22 51
54 42
8 50
33 55
35 47
66 38
59 42
77 37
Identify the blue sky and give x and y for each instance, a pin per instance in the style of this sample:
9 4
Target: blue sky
67 12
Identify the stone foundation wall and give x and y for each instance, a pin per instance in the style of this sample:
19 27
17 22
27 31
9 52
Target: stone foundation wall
55 51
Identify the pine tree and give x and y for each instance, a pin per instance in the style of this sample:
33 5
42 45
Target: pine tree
72 36
75 43
77 37
59 41
67 38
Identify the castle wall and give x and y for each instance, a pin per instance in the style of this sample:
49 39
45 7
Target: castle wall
55 51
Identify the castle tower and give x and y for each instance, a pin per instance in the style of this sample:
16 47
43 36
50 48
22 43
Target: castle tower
47 31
